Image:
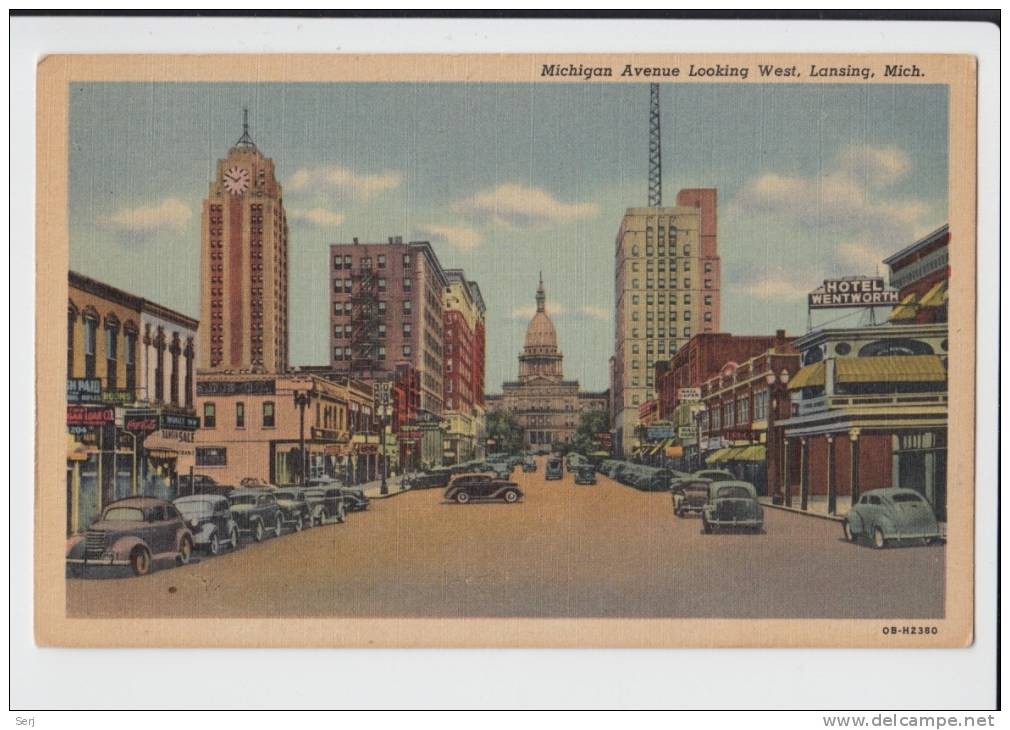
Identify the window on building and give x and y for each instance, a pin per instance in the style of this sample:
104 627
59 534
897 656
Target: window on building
407 329
687 332
240 415
347 261
381 260
382 284
173 381
687 249
90 345
209 415
634 314
382 307
382 330
708 300
761 405
338 285
687 299
407 351
338 331
634 250
727 415
211 456
347 308
131 360
634 299
708 316
338 353
635 398
687 315
347 331
159 368
407 284
407 307
708 267
743 410
338 263
406 260
111 354
687 283
382 352
268 414
673 316
634 348
708 283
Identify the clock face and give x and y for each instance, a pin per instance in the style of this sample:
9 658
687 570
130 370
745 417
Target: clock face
236 180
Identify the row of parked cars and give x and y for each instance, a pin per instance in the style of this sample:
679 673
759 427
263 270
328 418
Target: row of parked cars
138 531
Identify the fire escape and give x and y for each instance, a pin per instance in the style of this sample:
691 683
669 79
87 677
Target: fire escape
365 321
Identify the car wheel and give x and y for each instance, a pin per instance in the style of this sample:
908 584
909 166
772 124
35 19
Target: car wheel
849 535
511 496
278 525
214 546
879 541
233 537
140 560
185 550
299 524
462 497
258 531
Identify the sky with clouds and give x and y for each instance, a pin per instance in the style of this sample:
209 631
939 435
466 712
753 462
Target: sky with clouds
508 180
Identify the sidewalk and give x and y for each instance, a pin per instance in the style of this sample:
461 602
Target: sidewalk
817 506
372 489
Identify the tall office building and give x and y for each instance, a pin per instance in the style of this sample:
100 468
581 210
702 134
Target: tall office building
244 265
666 290
463 380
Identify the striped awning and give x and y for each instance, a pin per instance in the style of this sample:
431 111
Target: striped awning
936 296
754 452
890 369
718 455
905 310
808 376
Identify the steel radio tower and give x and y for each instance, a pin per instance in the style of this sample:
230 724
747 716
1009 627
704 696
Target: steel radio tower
655 150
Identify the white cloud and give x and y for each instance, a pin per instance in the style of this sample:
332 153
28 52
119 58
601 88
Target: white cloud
320 217
463 238
169 214
528 310
344 180
595 312
520 206
779 288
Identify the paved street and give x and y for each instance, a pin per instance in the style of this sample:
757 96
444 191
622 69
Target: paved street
603 551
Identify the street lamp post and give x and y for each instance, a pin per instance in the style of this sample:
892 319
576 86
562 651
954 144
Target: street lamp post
302 399
382 392
778 471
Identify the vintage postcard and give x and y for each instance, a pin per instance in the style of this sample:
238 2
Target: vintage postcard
506 350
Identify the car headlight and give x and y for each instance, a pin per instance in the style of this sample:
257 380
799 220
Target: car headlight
194 523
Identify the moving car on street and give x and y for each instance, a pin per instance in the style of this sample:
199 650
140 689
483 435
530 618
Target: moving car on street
689 496
294 509
325 503
256 512
553 469
470 487
135 531
210 521
585 474
891 515
716 475
732 505
429 479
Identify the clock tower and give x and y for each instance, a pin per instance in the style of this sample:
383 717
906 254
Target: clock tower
244 265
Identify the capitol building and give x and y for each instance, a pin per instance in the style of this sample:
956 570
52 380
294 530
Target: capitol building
546 405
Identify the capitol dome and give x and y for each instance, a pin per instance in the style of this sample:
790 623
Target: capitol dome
540 357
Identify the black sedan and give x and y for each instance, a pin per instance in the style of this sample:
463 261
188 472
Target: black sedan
472 487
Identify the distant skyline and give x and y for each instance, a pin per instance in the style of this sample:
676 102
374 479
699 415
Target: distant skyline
506 180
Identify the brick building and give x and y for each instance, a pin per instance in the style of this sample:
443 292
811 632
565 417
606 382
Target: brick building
386 307
464 367
921 273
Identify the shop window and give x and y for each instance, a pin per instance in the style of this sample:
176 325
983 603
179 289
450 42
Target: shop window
131 360
895 347
71 320
268 414
111 354
159 368
240 415
207 456
209 415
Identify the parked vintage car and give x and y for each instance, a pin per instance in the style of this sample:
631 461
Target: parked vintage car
470 487
429 479
553 470
210 521
134 531
294 509
355 499
732 505
574 460
256 511
891 515
689 495
202 484
325 502
585 474
529 464
715 475
609 467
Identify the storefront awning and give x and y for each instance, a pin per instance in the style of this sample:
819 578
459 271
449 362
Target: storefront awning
808 376
936 296
755 452
905 310
167 454
718 455
890 369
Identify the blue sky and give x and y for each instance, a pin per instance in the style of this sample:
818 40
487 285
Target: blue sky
510 179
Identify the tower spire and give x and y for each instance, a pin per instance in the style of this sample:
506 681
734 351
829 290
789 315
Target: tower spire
541 297
655 150
245 140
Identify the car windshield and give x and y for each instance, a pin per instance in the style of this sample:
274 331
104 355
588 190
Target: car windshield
906 498
196 508
733 493
285 495
243 499
124 514
314 493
